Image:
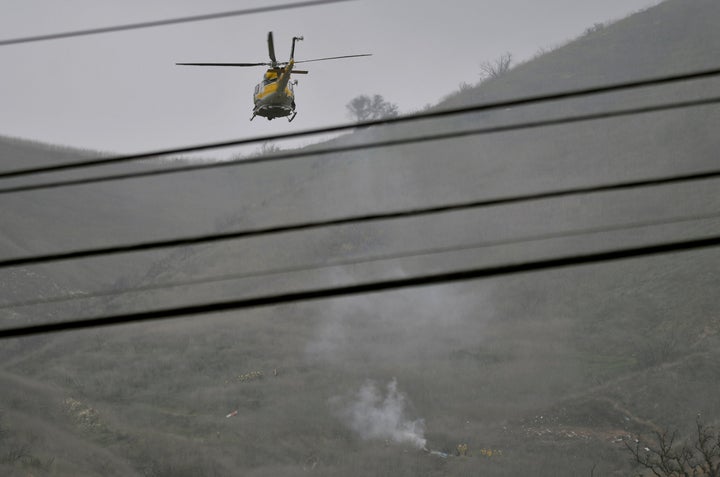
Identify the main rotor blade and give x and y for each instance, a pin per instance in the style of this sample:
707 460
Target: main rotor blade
223 64
333 58
271 49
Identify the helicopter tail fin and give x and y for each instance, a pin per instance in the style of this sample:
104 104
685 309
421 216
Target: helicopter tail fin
292 51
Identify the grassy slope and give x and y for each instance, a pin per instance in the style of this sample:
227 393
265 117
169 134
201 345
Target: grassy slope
550 368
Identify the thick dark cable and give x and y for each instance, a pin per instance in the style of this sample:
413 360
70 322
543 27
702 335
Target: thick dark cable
365 288
420 211
371 145
166 22
364 260
703 74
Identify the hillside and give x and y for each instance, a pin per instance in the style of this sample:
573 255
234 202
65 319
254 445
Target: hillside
673 37
538 374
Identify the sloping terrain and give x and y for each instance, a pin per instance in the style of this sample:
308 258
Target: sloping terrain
538 374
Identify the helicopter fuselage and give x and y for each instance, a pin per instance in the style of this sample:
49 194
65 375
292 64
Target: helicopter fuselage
274 96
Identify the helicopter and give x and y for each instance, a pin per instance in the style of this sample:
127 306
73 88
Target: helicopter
274 97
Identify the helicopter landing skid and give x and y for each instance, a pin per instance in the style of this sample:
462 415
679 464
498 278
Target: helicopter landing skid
274 112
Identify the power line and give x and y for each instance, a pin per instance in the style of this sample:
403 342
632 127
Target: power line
166 22
380 216
365 260
287 228
365 288
523 101
369 145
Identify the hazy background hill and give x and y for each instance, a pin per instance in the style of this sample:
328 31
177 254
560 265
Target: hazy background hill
551 369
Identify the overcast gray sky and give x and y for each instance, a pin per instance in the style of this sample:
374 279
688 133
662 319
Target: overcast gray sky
121 92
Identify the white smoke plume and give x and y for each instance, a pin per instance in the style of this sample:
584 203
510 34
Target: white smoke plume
376 416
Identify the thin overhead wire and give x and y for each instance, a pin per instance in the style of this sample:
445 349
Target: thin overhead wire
366 288
482 107
167 22
415 254
368 145
364 218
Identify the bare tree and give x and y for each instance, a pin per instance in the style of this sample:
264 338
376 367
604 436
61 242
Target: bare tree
497 68
365 108
667 458
597 27
268 149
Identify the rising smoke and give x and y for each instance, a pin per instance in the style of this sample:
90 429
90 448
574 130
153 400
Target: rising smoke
374 415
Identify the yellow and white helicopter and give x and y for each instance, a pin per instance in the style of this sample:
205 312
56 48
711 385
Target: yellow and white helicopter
274 97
